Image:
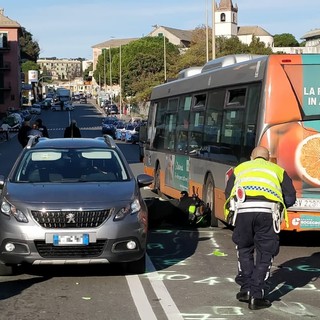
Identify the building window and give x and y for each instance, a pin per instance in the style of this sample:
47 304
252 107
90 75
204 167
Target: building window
223 17
3 39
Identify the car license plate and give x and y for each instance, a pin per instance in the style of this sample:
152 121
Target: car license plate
307 204
70 240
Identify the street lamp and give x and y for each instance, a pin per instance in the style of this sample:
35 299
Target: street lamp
165 58
104 68
207 32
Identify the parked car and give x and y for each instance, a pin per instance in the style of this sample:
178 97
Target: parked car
108 126
83 100
58 206
35 108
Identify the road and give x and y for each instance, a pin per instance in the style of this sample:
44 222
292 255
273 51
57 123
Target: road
190 272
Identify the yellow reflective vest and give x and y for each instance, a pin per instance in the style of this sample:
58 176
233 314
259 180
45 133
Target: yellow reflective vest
259 178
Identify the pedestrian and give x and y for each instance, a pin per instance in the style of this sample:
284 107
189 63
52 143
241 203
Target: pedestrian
42 128
35 131
258 193
23 134
5 128
72 131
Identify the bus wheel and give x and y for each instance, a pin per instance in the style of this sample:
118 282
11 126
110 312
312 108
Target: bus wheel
157 180
208 197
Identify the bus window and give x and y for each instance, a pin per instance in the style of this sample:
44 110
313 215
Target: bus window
195 137
213 118
173 104
232 127
199 100
150 124
170 128
251 118
158 142
236 97
183 123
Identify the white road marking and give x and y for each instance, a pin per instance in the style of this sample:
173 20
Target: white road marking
169 307
141 300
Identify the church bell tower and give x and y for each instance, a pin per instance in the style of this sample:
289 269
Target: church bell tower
226 19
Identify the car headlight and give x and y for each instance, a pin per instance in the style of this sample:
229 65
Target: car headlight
134 207
10 210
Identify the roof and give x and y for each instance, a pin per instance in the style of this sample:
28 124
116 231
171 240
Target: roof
114 43
227 5
5 22
311 34
184 35
252 30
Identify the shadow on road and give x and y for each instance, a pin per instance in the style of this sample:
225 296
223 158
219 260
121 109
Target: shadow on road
293 274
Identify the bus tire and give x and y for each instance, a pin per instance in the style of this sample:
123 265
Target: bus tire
208 197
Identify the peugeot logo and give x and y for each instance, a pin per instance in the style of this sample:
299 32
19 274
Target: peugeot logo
70 218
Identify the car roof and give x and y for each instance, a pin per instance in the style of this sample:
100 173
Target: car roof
60 143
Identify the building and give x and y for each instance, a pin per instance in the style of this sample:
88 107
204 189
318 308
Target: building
60 69
180 38
10 70
226 25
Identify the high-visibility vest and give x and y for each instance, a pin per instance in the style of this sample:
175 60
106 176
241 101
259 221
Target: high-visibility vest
259 178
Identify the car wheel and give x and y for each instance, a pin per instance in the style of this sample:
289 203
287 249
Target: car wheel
136 267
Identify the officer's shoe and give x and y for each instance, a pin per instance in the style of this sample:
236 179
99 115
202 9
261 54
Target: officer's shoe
258 303
243 296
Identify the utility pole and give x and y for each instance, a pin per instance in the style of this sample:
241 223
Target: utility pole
213 30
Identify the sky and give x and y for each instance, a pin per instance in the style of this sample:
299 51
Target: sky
69 28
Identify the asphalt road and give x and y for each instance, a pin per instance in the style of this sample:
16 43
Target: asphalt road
190 272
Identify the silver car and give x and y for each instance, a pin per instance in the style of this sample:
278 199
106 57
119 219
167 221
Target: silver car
72 201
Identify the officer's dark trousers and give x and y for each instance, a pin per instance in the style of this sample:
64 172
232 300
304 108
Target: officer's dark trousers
257 244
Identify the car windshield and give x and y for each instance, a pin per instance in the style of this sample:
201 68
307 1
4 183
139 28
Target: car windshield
70 165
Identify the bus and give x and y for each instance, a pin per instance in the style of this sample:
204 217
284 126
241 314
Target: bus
201 126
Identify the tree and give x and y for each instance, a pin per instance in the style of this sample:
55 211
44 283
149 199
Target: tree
86 73
29 48
285 40
141 61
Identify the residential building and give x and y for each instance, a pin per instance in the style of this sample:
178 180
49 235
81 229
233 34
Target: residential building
180 38
60 69
10 69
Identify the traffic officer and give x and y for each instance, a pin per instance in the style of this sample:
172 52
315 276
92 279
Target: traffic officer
258 193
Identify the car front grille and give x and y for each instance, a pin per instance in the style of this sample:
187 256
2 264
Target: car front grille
48 250
57 219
